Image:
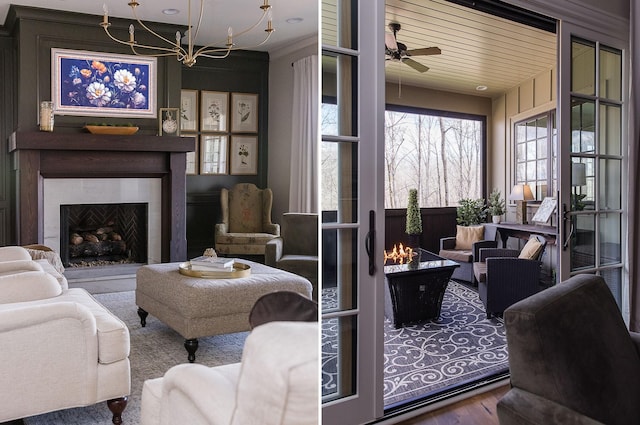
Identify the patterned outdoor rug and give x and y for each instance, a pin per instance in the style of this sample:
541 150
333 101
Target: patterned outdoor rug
460 346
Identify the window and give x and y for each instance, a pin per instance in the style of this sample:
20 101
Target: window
439 154
535 140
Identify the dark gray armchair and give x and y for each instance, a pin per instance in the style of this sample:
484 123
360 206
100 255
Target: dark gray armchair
466 256
571 357
504 277
296 250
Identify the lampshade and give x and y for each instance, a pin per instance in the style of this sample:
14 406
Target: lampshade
521 192
578 174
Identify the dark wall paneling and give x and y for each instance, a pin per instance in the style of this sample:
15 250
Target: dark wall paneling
7 96
241 72
436 223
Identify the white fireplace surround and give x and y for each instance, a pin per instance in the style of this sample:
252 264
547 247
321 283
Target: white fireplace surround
70 191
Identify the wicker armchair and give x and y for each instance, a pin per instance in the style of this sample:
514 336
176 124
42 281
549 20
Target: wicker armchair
506 276
467 253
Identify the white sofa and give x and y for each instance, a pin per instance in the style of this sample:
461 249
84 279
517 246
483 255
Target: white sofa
60 347
276 383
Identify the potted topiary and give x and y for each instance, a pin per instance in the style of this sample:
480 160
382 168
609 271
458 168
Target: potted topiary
414 220
495 205
471 212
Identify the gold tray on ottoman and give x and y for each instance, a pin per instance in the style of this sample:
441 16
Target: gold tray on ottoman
239 270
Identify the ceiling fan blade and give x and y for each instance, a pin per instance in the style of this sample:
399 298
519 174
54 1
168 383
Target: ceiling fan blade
424 51
390 41
415 65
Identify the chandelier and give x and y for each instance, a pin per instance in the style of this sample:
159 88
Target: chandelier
188 54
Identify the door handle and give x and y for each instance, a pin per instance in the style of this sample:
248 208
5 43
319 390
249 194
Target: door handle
370 243
567 215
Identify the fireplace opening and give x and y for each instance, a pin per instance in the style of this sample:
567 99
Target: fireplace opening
103 234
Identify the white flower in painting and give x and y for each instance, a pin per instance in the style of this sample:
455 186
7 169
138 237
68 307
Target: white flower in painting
124 80
98 94
138 99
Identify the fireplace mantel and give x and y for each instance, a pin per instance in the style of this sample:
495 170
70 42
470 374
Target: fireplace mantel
40 155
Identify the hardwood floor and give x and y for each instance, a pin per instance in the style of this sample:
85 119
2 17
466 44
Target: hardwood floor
477 410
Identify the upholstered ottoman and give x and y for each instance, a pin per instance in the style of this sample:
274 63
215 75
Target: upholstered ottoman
198 307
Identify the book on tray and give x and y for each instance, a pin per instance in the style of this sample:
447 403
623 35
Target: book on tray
204 263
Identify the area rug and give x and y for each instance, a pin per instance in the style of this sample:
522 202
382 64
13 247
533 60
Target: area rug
461 346
154 349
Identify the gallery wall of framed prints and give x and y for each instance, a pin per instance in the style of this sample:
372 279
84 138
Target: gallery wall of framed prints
225 126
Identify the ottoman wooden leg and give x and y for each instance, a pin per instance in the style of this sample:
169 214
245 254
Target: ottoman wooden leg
117 406
191 345
143 316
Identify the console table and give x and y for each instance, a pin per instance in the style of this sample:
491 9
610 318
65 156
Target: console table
524 231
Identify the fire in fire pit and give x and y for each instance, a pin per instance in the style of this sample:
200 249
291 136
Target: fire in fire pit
399 255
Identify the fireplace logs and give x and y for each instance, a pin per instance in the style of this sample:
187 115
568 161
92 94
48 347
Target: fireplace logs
102 241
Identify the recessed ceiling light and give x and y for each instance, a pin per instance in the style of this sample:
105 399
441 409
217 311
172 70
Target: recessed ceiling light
481 88
170 11
294 20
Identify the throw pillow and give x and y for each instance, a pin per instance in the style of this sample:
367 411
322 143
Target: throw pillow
531 249
467 235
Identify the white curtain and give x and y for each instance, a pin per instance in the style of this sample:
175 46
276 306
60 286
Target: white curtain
303 191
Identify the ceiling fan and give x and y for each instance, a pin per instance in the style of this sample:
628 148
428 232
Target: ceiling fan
396 51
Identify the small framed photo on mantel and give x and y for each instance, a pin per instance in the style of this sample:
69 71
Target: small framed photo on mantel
169 122
244 113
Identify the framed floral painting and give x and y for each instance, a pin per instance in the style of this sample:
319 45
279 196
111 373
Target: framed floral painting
244 113
103 84
244 155
214 111
189 110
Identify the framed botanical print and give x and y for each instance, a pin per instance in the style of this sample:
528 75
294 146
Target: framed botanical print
193 159
189 110
214 153
169 122
244 155
214 111
244 113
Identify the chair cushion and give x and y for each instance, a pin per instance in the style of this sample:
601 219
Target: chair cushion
461 255
480 271
531 249
244 238
467 235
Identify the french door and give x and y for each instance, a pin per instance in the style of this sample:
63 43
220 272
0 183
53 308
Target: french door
592 162
352 150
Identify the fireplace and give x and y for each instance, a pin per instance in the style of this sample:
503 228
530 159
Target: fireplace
101 163
103 234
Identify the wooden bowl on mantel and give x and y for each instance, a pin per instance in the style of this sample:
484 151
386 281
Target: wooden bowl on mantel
111 129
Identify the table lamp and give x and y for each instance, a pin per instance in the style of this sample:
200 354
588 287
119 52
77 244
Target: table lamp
521 193
578 178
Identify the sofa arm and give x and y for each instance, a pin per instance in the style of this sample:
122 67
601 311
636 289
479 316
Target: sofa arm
28 286
448 243
520 407
193 393
273 251
635 338
221 229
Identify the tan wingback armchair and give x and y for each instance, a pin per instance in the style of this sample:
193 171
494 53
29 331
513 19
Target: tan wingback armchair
296 251
60 347
246 220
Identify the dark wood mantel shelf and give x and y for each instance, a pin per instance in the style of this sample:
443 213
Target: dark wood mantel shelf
40 155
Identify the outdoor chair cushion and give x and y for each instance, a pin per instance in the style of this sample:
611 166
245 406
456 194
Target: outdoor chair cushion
461 256
531 250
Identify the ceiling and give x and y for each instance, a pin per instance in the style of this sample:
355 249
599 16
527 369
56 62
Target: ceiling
478 49
218 16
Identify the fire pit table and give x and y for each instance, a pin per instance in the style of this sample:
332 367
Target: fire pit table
414 290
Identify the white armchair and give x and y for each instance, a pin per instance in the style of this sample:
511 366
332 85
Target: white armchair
60 348
276 383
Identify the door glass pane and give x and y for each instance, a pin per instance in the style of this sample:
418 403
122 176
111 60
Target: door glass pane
610 73
583 124
610 184
338 29
610 129
583 242
338 352
613 277
610 231
583 67
339 173
337 90
339 267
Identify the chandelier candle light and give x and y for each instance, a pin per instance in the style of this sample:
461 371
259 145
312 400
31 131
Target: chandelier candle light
188 55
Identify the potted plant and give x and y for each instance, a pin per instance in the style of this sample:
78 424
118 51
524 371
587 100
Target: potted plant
414 220
495 205
471 212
